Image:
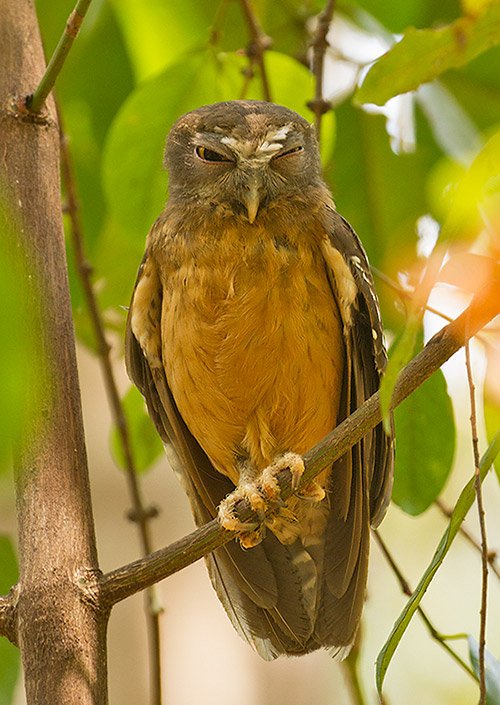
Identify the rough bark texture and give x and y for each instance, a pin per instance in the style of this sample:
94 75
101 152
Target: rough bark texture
59 625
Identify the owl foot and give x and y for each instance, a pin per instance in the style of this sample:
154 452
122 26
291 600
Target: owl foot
268 480
263 496
250 533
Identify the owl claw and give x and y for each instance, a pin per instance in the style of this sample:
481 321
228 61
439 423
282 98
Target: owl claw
268 480
227 509
263 496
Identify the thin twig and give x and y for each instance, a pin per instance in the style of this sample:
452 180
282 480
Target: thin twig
129 579
492 555
35 102
319 105
141 514
406 295
259 43
406 589
482 525
350 667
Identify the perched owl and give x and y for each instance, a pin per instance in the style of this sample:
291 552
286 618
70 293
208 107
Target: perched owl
254 329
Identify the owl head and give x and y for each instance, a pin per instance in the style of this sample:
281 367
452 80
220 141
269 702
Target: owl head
247 155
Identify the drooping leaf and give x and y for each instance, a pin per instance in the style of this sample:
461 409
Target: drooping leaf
424 54
464 503
425 432
491 671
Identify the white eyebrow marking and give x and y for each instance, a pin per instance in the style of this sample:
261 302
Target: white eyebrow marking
261 152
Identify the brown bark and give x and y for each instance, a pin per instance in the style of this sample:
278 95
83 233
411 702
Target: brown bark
59 624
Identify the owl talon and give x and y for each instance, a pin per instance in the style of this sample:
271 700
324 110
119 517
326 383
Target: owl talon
312 492
228 514
268 480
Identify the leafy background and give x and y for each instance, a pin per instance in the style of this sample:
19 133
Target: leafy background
133 70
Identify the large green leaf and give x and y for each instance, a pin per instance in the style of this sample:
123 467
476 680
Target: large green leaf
464 503
425 433
397 16
424 54
9 654
373 188
158 34
133 179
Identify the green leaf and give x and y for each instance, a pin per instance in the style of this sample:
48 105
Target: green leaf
400 354
158 34
424 54
133 179
145 443
9 654
464 503
477 186
491 671
425 432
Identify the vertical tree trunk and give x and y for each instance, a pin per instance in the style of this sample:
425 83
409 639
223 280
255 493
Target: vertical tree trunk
61 629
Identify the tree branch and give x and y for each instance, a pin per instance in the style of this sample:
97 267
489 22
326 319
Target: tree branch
35 102
8 616
141 514
259 43
61 628
125 581
319 105
482 525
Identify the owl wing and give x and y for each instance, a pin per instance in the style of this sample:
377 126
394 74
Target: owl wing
256 586
361 481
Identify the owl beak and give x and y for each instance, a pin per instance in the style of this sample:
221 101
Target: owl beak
252 197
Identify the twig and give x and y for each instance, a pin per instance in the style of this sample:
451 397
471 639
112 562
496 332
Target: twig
408 295
35 102
259 43
435 634
492 555
8 626
350 667
319 105
482 525
129 579
141 514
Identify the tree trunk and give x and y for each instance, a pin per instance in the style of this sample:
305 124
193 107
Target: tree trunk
59 624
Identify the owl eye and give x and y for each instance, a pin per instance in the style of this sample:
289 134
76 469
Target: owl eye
209 155
294 150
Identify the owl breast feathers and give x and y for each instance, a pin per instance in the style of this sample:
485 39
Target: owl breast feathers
254 329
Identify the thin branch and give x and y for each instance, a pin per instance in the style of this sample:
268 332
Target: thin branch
35 102
319 105
8 626
141 514
406 295
350 667
482 525
259 43
406 589
129 579
492 555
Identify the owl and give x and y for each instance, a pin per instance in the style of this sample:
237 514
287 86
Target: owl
253 330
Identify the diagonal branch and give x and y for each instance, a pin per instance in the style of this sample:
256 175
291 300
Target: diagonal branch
129 579
35 102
